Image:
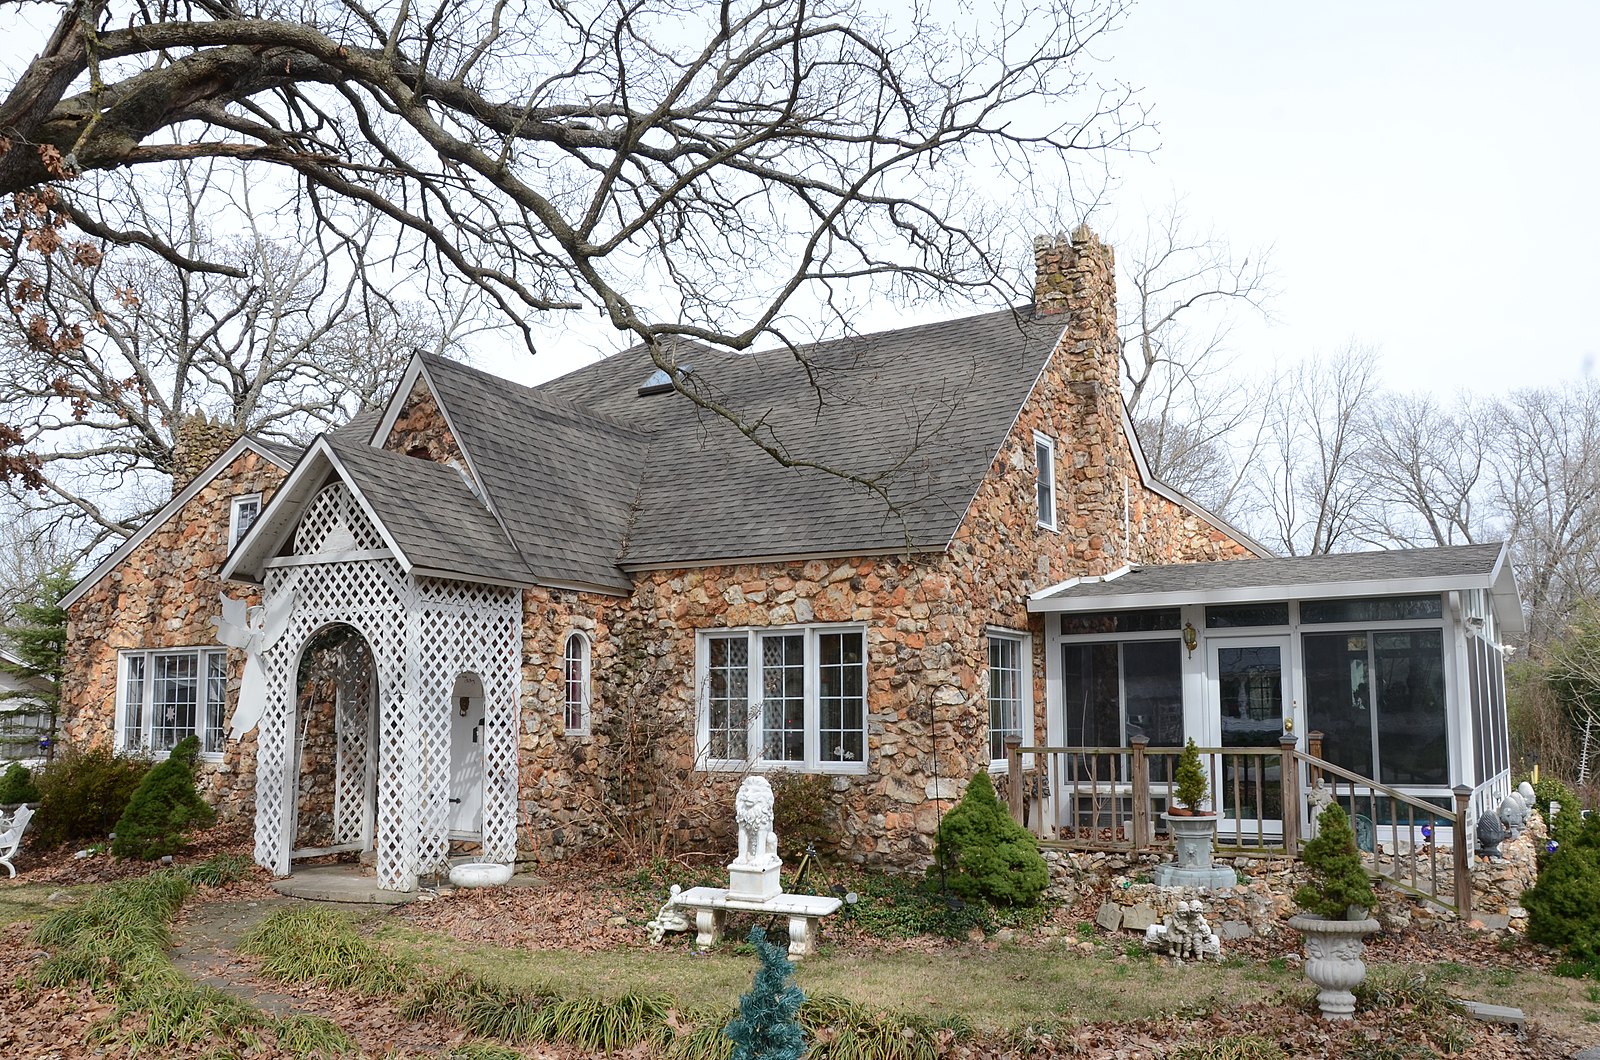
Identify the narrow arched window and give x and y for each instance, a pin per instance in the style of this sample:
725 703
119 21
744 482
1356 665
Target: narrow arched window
575 672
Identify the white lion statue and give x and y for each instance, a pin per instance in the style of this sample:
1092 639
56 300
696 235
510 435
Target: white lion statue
752 811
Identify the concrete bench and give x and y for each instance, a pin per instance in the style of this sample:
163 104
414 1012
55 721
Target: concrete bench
711 906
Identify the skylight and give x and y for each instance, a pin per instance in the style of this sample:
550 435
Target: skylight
660 382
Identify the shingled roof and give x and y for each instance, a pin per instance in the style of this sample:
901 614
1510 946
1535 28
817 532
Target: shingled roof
591 478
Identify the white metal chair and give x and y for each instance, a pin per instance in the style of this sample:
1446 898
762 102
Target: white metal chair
11 837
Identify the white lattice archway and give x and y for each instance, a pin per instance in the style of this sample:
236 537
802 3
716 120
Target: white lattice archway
421 633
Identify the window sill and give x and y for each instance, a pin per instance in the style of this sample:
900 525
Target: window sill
734 765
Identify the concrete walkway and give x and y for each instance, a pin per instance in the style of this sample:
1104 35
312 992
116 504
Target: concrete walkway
352 884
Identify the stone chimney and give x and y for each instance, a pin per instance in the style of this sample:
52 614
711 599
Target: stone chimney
196 442
1077 277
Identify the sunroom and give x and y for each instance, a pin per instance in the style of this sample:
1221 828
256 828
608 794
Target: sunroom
1386 666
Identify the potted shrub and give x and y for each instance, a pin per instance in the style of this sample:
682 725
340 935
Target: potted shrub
1193 829
1335 903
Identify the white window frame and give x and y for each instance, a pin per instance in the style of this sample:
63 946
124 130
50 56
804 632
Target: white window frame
585 672
811 760
1025 703
1044 458
234 533
202 657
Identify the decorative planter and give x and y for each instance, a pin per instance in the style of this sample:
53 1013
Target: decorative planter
1193 867
480 874
1333 960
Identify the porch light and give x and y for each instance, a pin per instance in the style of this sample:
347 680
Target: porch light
1191 639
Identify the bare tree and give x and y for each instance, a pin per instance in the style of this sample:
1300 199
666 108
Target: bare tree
282 344
1308 488
1427 467
1199 427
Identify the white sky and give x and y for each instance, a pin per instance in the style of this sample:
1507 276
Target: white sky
1425 172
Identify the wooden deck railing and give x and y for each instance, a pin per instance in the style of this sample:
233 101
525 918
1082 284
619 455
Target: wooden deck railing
1111 798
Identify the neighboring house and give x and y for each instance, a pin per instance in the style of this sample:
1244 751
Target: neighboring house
556 611
24 722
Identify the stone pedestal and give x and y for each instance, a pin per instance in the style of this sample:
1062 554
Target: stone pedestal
1193 867
755 882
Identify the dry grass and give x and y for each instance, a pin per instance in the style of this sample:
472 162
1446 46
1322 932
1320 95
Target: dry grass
25 903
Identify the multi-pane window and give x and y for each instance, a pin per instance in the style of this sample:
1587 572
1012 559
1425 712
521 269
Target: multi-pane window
242 517
1044 459
1377 696
575 682
1007 692
793 697
169 695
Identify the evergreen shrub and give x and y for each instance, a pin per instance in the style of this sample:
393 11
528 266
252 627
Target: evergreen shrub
1338 879
17 785
768 1024
984 854
1565 824
164 808
82 793
1564 903
1189 779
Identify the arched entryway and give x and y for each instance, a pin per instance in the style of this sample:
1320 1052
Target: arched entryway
335 750
467 735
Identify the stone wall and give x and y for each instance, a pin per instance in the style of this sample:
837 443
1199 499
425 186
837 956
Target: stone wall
163 596
420 430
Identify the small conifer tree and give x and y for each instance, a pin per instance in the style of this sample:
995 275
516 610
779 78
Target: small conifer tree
768 1024
1189 779
1338 879
1564 903
984 855
37 635
17 785
164 809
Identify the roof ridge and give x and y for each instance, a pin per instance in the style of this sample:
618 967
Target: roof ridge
543 401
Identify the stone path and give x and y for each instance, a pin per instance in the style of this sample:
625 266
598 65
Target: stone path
206 940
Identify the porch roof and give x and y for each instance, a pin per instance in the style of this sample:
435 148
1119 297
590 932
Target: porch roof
1346 574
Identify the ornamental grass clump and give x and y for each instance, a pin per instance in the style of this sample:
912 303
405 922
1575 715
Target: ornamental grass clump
1189 783
1564 903
164 809
1339 886
983 855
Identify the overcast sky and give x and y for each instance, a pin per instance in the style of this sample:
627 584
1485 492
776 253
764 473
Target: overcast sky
1425 172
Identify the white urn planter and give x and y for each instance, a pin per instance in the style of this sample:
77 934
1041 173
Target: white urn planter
1333 960
1193 836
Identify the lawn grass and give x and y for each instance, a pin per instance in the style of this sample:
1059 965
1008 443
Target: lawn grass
27 903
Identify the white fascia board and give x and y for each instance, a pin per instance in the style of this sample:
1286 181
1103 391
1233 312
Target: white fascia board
171 508
774 557
1071 583
1261 593
272 525
481 579
397 401
372 516
1506 596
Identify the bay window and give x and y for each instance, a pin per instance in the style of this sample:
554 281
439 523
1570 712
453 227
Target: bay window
787 697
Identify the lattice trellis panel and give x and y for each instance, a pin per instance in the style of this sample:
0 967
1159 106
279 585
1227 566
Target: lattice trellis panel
354 735
421 635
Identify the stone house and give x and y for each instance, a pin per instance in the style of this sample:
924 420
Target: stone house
585 608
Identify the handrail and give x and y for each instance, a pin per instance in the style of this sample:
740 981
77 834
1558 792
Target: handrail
1324 766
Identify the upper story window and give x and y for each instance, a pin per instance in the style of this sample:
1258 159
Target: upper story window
1010 693
165 696
1044 460
575 681
789 697
242 517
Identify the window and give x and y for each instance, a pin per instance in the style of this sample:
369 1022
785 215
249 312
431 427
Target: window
575 680
1240 616
1378 699
1112 692
1044 459
1010 693
242 517
169 695
1154 620
1380 609
793 697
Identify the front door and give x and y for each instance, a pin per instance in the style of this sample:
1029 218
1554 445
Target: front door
466 758
1249 679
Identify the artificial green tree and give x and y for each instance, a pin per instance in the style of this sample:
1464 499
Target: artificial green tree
1189 779
164 808
1339 882
982 854
768 1024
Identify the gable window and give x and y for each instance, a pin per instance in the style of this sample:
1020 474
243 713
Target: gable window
575 680
166 696
242 517
792 697
1010 693
1044 460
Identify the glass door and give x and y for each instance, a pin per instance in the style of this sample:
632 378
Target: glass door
1248 688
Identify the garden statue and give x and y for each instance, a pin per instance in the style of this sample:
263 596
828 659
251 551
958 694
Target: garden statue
1526 791
1320 797
1491 833
754 874
254 630
1513 813
1185 935
670 918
